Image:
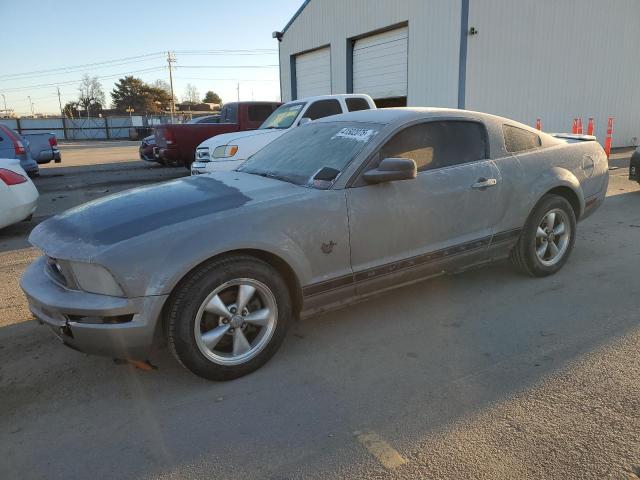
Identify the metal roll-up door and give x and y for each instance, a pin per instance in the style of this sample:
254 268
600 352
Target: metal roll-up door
313 73
380 64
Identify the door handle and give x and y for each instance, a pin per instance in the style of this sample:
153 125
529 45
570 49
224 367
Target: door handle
485 183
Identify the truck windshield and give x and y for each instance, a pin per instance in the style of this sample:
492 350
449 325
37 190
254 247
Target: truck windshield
298 154
283 116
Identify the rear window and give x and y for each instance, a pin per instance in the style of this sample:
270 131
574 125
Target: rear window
229 113
259 113
355 104
519 140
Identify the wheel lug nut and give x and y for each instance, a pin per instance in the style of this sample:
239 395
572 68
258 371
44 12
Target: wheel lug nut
225 320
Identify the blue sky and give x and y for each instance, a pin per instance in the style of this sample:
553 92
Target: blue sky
44 35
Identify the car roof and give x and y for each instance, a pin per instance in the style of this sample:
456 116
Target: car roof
332 96
407 114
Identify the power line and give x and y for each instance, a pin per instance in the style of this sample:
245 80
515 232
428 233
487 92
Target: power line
71 82
133 59
228 79
72 70
227 66
11 75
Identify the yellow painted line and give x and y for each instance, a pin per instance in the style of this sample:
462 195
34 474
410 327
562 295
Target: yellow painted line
381 450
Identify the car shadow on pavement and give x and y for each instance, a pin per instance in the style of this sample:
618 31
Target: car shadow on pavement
405 364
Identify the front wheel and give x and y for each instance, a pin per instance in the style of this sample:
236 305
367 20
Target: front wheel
229 317
547 238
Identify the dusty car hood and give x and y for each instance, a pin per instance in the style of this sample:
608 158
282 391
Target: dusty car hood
83 231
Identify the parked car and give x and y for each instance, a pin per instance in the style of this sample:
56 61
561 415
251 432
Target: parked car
148 143
43 147
176 143
227 151
146 148
634 166
18 195
333 211
13 145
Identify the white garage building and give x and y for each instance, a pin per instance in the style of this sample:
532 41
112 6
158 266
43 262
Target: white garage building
524 59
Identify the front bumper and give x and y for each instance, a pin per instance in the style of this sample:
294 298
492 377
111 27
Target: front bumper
67 313
199 168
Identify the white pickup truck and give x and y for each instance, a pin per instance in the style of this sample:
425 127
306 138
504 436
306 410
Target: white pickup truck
227 151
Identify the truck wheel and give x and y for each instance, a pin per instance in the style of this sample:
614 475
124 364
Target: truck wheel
228 317
547 238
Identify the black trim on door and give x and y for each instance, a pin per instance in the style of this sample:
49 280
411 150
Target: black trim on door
400 265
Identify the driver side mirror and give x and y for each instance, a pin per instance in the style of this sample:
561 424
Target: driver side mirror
392 169
304 120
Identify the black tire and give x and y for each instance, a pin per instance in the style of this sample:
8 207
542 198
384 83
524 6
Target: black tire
189 296
524 256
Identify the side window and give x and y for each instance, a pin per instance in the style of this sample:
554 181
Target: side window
355 104
519 140
210 120
438 144
229 113
259 113
323 108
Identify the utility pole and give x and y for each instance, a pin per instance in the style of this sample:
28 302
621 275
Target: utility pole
60 102
64 123
170 60
5 104
31 104
238 91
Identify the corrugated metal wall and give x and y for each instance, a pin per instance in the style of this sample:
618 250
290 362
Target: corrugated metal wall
434 42
557 60
546 58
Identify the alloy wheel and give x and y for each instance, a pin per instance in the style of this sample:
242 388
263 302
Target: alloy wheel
236 321
553 236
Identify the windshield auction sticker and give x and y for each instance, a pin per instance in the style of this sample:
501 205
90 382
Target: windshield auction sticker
357 134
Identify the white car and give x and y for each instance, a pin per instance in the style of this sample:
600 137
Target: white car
227 151
18 194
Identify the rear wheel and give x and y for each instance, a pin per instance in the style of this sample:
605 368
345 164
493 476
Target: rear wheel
547 238
229 317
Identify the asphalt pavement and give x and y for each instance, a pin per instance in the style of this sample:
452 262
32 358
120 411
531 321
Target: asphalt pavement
487 374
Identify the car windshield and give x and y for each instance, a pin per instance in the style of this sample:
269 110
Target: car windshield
298 154
283 116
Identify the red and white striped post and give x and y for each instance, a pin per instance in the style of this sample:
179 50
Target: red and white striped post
538 124
607 140
590 126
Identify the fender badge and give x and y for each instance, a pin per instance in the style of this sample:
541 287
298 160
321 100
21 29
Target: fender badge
328 247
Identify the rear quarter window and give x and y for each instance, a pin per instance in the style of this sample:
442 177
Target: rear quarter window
520 140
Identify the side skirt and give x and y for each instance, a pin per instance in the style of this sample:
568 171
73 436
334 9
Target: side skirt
349 289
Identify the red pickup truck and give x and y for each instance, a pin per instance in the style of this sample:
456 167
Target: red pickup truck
176 143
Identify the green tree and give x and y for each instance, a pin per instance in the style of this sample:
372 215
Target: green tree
212 97
133 92
70 110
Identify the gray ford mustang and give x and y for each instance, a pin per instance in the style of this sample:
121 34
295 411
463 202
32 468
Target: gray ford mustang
219 265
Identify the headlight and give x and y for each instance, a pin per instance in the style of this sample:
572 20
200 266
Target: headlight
225 151
94 278
202 154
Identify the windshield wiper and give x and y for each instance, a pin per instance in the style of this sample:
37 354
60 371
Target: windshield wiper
273 175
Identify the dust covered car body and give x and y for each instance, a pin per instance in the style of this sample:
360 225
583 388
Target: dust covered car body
330 212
